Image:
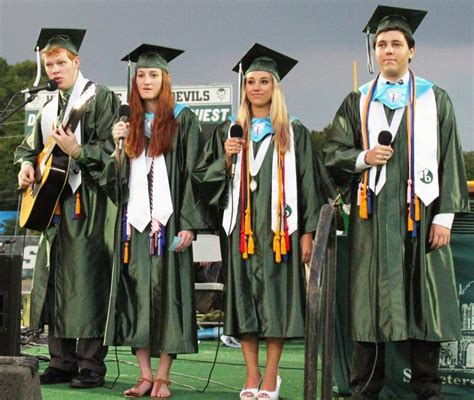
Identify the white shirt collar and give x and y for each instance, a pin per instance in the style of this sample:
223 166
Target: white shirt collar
404 78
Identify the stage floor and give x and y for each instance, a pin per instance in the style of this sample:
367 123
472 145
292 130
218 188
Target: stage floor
189 373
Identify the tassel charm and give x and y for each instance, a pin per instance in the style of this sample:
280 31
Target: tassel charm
126 252
363 211
77 206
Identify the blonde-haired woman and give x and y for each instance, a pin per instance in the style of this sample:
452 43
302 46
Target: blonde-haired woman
269 212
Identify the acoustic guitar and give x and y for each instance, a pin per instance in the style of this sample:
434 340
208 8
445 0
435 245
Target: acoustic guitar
39 199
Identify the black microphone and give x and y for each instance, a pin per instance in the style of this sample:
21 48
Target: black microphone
49 86
124 114
385 138
236 131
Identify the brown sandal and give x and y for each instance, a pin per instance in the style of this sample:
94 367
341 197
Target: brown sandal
158 383
133 394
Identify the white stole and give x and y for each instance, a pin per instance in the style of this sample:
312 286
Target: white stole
230 213
139 211
49 117
426 143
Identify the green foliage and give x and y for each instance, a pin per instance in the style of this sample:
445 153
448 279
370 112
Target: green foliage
12 79
320 137
469 164
9 226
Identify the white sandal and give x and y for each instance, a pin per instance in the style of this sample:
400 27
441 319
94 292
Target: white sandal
265 394
250 393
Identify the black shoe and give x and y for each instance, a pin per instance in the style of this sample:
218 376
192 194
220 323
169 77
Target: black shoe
53 375
87 379
365 395
431 395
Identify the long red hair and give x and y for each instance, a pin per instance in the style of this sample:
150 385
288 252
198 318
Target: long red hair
163 128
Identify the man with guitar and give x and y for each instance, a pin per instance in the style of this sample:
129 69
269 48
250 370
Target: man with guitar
72 272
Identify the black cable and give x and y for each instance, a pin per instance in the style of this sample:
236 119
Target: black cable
222 311
374 325
118 370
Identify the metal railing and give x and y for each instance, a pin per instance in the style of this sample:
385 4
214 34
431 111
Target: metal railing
320 308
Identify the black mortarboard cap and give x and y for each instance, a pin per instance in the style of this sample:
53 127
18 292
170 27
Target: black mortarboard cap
261 58
70 39
386 17
151 56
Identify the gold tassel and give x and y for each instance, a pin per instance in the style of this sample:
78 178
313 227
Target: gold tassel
276 247
248 228
125 253
363 211
78 204
417 209
283 250
410 221
251 245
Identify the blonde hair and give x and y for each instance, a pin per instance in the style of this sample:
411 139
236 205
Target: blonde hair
278 116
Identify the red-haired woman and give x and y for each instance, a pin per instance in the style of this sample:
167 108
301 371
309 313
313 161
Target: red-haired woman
152 297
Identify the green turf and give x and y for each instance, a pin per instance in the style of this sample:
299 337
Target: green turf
189 373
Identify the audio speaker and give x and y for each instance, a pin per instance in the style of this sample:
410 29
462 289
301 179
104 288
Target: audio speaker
19 378
10 300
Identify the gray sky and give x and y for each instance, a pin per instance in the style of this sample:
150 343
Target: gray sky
325 36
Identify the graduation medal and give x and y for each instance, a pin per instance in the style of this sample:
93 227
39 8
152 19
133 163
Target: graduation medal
255 163
253 184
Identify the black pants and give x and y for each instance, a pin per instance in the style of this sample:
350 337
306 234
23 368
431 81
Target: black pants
74 354
71 354
424 360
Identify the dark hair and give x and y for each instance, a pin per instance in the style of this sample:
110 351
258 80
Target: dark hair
408 38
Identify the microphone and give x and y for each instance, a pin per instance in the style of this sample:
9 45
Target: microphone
50 86
385 138
124 114
236 131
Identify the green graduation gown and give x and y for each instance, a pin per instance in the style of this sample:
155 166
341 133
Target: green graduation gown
399 288
262 296
79 249
152 298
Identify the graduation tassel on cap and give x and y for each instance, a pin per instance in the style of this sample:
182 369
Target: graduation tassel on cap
129 77
239 84
370 61
38 66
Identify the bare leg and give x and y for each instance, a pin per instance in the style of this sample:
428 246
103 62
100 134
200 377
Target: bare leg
143 358
274 350
162 379
249 345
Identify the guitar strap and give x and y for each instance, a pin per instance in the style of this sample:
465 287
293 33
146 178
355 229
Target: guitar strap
49 117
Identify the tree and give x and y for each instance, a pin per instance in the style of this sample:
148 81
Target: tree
469 163
12 79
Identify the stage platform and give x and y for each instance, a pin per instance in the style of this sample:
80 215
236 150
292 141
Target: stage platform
189 373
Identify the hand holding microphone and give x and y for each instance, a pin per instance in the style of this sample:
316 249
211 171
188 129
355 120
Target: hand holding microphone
120 129
381 153
233 146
